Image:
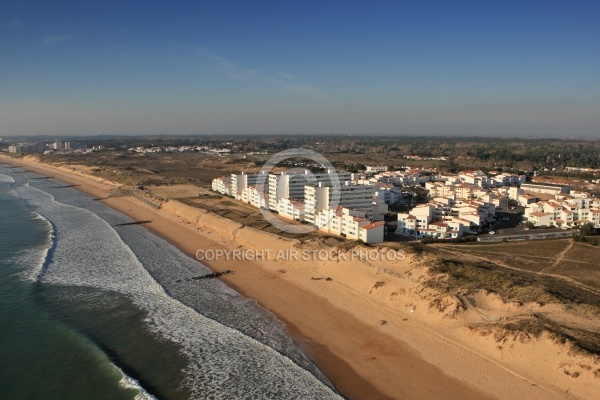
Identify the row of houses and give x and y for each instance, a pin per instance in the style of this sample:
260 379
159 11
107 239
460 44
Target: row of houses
458 204
445 218
408 177
413 177
168 149
480 179
565 211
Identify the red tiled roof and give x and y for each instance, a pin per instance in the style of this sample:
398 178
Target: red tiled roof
372 225
540 214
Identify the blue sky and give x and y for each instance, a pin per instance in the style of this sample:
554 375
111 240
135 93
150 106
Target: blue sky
501 68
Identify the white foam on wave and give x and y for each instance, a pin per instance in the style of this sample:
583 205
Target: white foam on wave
6 187
211 298
50 247
6 179
223 363
38 258
128 382
33 257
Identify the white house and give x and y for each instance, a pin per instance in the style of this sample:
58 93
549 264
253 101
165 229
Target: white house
376 168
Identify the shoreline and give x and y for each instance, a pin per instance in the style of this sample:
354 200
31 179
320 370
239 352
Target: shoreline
353 385
333 323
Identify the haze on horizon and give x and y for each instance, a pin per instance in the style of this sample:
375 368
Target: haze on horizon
497 68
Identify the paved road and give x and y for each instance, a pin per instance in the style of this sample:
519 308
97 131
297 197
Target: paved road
510 226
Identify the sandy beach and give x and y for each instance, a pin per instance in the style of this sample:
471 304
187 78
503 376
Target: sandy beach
367 323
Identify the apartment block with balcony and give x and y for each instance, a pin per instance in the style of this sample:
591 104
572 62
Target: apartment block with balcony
242 181
291 209
223 185
352 224
320 197
291 185
564 211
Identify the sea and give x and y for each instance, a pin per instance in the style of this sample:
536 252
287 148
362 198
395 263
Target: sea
91 309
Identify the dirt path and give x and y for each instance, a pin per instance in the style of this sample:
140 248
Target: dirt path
560 256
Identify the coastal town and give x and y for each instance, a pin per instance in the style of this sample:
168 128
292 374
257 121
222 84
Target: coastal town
473 249
300 200
457 204
374 203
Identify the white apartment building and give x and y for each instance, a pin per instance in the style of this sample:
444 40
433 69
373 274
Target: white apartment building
485 211
253 195
437 189
526 199
291 185
239 182
465 191
398 178
320 197
499 201
352 224
422 222
475 178
580 194
386 193
519 195
355 204
564 211
223 185
376 168
291 209
447 177
545 188
508 179
25 148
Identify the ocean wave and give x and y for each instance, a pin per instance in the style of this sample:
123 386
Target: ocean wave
128 382
50 248
171 268
6 179
223 362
